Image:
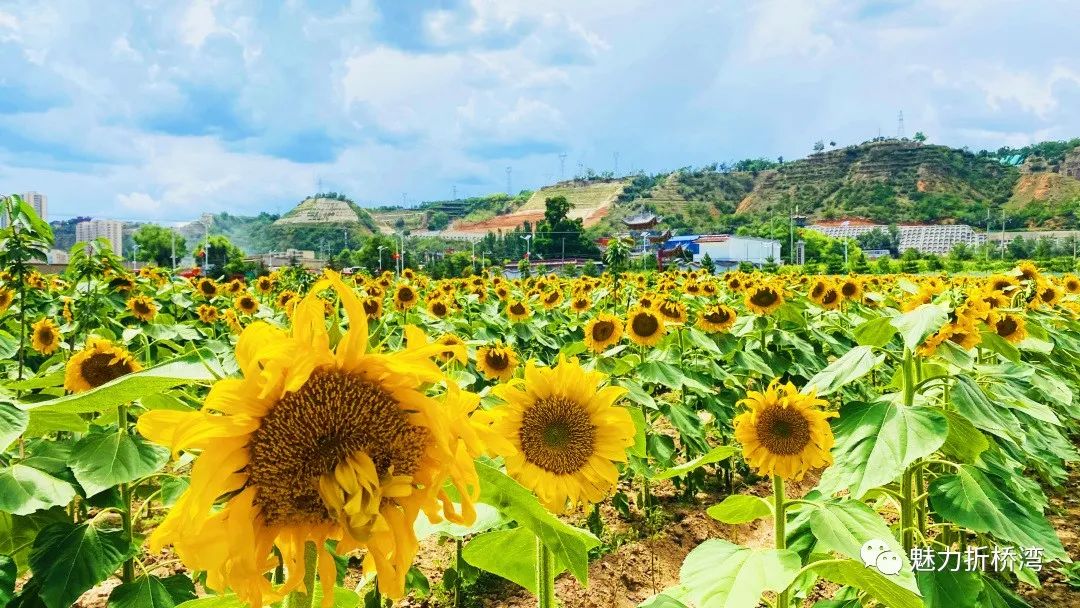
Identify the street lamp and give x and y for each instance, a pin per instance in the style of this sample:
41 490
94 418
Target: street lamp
135 256
528 245
381 247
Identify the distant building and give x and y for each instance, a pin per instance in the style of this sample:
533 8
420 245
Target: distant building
642 221
112 230
726 250
925 238
58 256
39 202
289 257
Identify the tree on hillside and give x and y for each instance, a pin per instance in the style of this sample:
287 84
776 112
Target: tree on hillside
159 245
224 259
438 220
819 146
919 137
557 234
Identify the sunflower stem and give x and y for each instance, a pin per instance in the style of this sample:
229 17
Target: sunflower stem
907 482
304 599
459 596
783 599
545 576
128 571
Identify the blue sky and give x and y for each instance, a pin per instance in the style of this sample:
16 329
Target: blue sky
163 110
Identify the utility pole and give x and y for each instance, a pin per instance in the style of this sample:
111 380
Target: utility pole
562 166
345 231
845 253
987 232
135 256
509 173
206 248
1003 233
381 247
564 248
455 192
174 250
791 229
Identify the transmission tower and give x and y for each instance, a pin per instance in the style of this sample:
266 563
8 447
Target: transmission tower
509 172
562 166
455 192
900 126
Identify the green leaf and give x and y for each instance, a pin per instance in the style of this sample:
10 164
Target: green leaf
875 332
43 423
125 389
13 422
101 460
703 341
974 500
855 364
718 574
876 441
153 592
640 426
68 559
996 595
970 401
965 442
17 532
845 526
569 544
510 554
227 600
947 589
487 517
875 584
913 326
993 342
8 574
720 452
661 600
740 508
25 489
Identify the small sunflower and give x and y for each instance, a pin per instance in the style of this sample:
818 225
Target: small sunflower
208 288
561 433
496 361
143 308
1071 284
234 287
580 304
247 304
552 299
603 332
45 336
438 307
965 334
852 289
517 310
315 444
232 320
1027 271
264 284
373 307
454 349
831 298
644 326
208 314
673 311
1009 326
1046 294
98 363
285 297
784 433
405 297
7 296
764 299
717 318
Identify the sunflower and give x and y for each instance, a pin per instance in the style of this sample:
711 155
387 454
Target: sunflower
580 304
817 290
560 433
851 288
1046 294
1001 282
316 444
764 299
373 307
644 326
1027 271
964 334
208 314
454 349
517 310
552 299
7 296
404 297
1071 283
45 336
99 362
208 288
784 433
247 304
603 332
716 318
122 283
438 307
1009 326
234 287
144 308
496 361
831 298
285 297
264 284
232 320
673 311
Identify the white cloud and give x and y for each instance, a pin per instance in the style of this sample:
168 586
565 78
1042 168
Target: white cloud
787 27
138 202
1032 92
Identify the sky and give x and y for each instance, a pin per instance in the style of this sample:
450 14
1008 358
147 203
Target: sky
163 110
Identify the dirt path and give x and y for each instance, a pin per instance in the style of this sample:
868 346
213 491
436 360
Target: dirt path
1065 517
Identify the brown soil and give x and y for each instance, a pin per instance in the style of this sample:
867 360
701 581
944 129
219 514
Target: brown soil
1065 517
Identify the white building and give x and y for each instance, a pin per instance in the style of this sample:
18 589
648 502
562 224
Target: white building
112 230
924 238
58 256
39 202
727 250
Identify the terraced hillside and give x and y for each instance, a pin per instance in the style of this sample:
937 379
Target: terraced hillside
591 201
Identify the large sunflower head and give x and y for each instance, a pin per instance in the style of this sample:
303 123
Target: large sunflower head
831 298
373 307
851 288
45 336
673 311
764 299
716 318
603 332
99 362
1046 294
644 326
784 432
552 298
1071 284
405 297
496 361
143 308
1027 271
207 288
438 307
1009 326
314 444
560 432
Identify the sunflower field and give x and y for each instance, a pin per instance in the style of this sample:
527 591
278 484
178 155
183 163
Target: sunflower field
303 440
